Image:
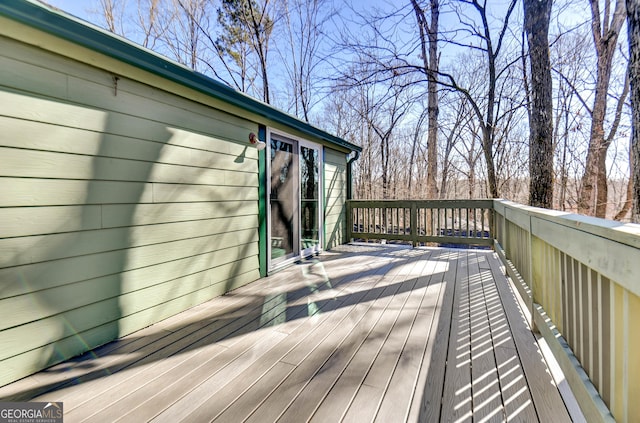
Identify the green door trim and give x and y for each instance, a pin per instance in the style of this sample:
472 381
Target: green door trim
262 203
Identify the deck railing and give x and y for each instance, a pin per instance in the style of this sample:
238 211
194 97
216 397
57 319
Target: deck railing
579 276
422 221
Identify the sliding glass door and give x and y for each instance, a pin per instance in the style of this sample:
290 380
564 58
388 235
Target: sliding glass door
284 204
295 211
309 200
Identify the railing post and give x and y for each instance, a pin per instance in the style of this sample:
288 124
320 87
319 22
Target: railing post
530 281
349 221
414 224
493 233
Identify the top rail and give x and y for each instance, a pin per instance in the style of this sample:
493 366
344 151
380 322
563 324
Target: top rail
581 279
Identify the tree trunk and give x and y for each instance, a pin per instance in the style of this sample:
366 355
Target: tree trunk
487 149
592 198
414 149
633 26
432 88
471 180
489 121
445 165
537 14
384 152
429 41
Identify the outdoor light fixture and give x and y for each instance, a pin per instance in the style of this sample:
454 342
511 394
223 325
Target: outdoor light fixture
253 139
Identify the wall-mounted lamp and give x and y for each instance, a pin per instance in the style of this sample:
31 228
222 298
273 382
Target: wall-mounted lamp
253 139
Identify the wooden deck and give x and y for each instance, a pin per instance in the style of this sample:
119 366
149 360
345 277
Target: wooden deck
363 333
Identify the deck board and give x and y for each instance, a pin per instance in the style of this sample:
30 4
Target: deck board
548 405
487 395
396 403
456 396
361 334
427 402
322 363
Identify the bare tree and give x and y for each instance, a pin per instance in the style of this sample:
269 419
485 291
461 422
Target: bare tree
183 37
633 22
112 12
389 59
169 27
537 14
470 152
605 30
153 19
628 203
415 147
491 49
428 29
393 108
453 129
348 112
572 57
303 24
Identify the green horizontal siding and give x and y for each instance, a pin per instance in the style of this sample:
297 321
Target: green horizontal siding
41 275
120 206
36 359
335 195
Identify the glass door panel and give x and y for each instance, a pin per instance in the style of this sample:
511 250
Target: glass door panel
309 199
284 200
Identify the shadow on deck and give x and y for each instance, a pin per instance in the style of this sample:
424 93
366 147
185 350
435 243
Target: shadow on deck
363 333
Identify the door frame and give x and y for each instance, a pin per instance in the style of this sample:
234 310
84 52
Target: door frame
301 252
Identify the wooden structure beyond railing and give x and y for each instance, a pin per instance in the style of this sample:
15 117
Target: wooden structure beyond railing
579 276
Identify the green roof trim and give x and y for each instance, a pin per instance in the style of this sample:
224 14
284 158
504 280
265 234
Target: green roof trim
64 26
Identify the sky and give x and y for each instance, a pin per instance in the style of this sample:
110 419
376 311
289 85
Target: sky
74 7
88 10
567 14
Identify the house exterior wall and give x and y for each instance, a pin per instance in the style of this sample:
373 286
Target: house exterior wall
128 189
335 187
120 205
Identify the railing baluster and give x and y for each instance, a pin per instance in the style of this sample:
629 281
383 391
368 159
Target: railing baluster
466 224
443 229
356 220
446 222
407 228
452 222
475 222
365 220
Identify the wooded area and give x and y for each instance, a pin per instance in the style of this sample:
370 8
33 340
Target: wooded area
449 99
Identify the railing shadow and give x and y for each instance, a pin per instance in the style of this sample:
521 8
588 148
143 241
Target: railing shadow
484 376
